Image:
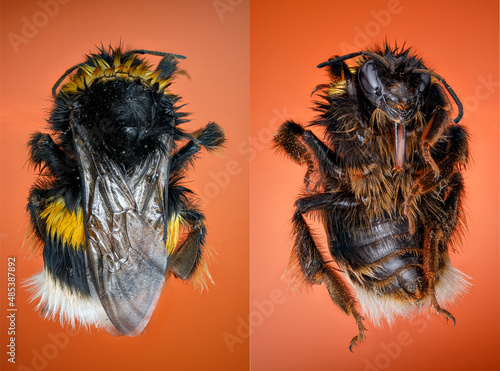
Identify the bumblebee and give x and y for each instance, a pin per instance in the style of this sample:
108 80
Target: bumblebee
386 182
110 209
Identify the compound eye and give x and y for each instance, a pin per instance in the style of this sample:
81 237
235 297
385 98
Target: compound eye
425 81
369 78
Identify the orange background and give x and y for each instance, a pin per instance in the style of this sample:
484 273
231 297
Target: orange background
187 328
287 40
307 331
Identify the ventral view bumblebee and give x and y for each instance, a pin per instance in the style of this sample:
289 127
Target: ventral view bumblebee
110 209
386 183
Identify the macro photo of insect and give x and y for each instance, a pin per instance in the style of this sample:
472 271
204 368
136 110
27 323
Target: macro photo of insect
110 209
384 178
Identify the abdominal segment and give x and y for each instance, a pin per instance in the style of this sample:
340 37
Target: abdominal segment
384 263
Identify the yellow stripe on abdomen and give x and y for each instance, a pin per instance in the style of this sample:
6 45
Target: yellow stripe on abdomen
69 227
173 227
63 224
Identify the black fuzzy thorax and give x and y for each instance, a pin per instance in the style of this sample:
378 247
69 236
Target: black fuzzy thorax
124 120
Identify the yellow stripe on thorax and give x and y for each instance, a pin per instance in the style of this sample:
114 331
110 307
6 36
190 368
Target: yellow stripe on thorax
65 225
102 71
339 86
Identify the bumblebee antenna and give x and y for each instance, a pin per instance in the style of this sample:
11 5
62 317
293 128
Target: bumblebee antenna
61 79
352 55
168 63
157 53
448 87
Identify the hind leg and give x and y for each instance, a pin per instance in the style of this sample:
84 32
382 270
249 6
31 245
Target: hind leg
438 236
433 238
188 258
312 266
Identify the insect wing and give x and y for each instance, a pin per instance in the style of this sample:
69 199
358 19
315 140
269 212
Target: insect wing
125 231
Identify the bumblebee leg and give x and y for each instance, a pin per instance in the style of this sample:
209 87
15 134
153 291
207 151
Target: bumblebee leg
431 256
433 237
188 260
456 154
327 160
442 311
34 209
432 133
313 267
44 151
452 195
61 171
286 139
211 137
439 233
302 145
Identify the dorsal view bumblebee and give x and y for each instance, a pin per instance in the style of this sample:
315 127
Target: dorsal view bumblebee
386 184
109 209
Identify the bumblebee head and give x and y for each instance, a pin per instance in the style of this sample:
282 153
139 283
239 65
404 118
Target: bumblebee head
397 93
395 84
394 81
